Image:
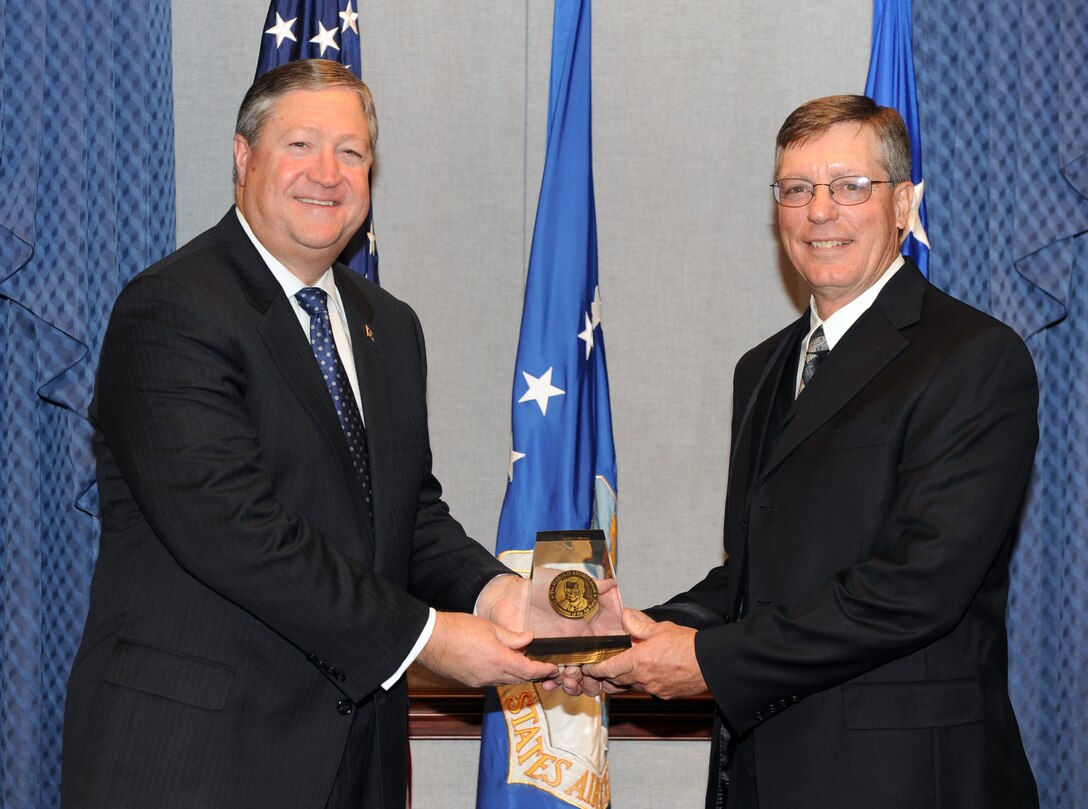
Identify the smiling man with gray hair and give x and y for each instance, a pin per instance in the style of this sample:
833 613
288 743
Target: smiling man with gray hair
854 640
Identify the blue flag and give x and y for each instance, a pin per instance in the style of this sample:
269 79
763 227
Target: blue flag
322 29
545 750
891 84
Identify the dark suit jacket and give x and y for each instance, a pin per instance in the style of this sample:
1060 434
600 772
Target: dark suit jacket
242 615
868 530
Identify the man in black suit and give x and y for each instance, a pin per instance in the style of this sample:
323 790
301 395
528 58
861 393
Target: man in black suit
271 562
854 641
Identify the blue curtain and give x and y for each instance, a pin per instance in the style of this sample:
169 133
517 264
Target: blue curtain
1003 95
86 200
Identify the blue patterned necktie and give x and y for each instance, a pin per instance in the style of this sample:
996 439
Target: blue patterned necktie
817 350
314 302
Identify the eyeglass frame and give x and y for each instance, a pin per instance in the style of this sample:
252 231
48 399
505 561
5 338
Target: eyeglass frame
778 188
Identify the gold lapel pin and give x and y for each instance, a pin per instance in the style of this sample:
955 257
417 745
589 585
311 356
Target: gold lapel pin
369 333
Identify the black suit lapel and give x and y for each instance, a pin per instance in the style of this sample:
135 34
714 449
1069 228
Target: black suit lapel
769 408
366 350
289 347
279 328
294 358
756 432
866 348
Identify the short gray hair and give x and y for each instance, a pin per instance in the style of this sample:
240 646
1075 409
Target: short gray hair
812 119
302 74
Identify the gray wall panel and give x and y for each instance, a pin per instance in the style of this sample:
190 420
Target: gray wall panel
450 89
215 55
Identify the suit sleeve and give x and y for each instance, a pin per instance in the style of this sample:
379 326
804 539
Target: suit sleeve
960 473
171 404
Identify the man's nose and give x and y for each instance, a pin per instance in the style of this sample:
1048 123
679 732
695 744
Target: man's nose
823 206
324 167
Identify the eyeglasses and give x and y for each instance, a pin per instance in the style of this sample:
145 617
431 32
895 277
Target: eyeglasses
796 193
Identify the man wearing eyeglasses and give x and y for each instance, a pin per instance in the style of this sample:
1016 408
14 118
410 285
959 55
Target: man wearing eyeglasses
854 640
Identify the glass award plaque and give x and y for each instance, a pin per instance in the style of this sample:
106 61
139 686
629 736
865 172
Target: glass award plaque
574 611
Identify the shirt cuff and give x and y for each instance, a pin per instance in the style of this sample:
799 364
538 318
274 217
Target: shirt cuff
421 641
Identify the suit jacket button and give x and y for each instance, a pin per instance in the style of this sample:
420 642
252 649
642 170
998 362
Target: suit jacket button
744 525
759 716
344 707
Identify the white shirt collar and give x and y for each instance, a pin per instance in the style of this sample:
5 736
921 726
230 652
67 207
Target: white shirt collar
840 322
287 279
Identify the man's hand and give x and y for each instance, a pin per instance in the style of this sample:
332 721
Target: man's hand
575 682
505 601
661 662
476 652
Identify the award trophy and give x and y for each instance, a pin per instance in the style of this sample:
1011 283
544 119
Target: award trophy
574 610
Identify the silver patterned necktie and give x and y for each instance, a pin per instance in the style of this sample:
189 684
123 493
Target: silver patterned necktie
814 355
314 302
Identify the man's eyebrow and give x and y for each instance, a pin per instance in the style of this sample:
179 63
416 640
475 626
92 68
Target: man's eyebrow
310 129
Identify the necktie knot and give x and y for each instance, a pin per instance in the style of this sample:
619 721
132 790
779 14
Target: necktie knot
313 300
814 355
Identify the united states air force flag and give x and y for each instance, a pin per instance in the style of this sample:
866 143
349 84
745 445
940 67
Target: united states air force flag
891 84
321 29
544 749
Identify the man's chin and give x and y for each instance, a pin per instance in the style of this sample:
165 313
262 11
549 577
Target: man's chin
333 244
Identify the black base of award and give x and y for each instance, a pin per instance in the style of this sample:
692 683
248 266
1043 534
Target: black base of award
576 651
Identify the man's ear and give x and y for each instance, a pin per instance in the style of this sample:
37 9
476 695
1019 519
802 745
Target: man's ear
241 159
904 197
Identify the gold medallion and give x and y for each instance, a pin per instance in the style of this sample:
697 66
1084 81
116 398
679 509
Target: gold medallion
573 594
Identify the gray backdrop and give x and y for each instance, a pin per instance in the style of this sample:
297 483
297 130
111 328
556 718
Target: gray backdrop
687 99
